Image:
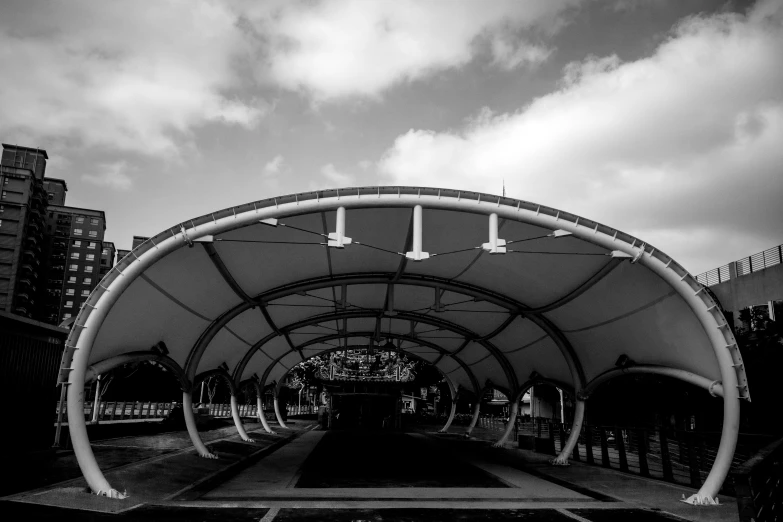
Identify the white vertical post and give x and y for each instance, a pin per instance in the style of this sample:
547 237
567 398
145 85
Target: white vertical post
60 416
97 402
417 254
474 420
337 239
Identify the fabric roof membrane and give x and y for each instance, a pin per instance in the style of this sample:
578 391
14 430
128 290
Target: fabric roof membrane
601 293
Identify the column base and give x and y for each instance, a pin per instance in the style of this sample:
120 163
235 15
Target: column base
560 461
701 500
113 493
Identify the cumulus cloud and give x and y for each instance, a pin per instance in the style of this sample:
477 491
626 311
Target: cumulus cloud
335 177
112 175
339 48
509 54
128 77
663 147
274 165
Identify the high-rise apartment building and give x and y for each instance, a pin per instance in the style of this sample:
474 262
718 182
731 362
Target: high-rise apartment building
55 190
74 255
107 257
23 202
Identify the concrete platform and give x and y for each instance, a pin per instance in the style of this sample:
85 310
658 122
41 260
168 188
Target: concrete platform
313 475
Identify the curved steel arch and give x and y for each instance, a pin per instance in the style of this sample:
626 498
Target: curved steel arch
99 304
218 372
453 388
715 388
101 367
354 314
403 337
512 305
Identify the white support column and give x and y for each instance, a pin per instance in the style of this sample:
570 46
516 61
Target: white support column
96 404
453 411
238 420
337 239
190 422
512 419
573 437
261 416
494 245
474 420
417 253
277 414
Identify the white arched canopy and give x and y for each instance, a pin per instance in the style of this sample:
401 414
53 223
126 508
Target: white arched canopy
489 289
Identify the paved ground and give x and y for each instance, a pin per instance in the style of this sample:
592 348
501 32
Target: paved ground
307 475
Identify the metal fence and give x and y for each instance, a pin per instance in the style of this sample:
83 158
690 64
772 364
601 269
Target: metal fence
127 410
678 456
770 257
759 485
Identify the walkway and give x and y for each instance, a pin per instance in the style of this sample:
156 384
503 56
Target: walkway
348 476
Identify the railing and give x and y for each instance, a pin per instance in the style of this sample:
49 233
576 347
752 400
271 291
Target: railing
127 410
295 409
759 485
682 457
770 257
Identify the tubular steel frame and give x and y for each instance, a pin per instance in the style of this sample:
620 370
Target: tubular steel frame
90 318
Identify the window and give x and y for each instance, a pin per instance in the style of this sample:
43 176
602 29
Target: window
68 304
93 221
104 252
66 316
87 281
3 195
80 219
50 196
73 268
77 243
69 291
77 231
2 209
74 255
88 269
93 233
72 279
85 292
91 245
90 257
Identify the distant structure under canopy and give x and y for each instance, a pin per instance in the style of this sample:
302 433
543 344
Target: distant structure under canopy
494 292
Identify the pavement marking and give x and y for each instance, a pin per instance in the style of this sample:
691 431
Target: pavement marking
270 515
571 515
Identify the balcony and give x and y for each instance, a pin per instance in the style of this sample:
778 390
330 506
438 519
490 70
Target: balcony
21 310
32 239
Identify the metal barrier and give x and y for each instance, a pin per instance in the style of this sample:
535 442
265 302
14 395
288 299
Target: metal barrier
127 410
759 485
770 257
307 409
678 456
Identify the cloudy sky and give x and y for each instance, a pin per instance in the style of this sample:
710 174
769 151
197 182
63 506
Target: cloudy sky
661 118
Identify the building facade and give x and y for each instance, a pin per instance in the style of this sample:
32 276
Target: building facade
75 251
23 202
108 253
